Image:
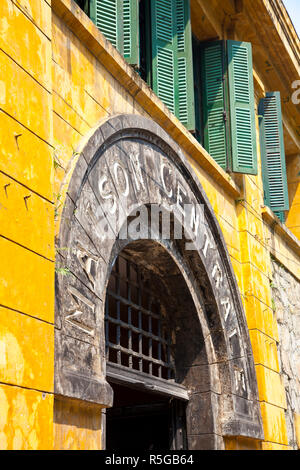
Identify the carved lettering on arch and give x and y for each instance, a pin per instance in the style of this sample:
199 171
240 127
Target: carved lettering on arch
130 162
75 316
88 262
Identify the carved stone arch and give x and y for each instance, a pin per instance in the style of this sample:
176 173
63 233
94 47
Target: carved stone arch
129 162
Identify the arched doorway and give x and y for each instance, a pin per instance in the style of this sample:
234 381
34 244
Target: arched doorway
153 339
130 162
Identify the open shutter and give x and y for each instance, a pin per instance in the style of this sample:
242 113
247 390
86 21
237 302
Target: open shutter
273 154
186 106
281 216
172 66
214 101
131 50
118 20
242 109
197 91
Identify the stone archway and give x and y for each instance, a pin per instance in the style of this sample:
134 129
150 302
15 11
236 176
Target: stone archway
130 162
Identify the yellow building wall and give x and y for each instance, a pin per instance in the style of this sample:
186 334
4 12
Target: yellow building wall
27 226
293 174
53 92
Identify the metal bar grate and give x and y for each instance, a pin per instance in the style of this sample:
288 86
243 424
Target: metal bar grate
135 335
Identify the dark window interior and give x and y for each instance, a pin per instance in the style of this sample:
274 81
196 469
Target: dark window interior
136 335
144 421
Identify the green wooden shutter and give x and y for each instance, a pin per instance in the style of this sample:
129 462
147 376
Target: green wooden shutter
118 20
242 109
131 31
186 105
273 154
281 216
197 91
172 64
214 101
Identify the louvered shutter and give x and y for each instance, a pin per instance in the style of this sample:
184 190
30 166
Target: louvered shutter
273 154
197 91
214 101
185 104
242 109
118 20
131 49
281 216
172 64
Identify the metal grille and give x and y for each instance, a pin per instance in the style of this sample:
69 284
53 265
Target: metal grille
135 335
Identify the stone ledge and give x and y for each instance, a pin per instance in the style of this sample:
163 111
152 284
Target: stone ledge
102 49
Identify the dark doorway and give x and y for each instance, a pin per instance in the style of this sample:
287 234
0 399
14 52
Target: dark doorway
144 421
153 339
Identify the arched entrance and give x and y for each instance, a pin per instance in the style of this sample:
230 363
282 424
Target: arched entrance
130 164
153 340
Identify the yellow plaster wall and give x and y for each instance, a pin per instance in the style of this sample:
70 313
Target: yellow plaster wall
293 174
51 96
239 443
83 94
26 226
77 427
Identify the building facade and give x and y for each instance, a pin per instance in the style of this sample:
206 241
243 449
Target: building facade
109 111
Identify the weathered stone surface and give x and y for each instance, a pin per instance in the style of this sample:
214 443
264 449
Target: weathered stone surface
130 162
286 296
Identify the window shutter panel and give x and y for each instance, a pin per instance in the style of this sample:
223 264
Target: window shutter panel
131 31
118 20
197 91
186 105
163 51
281 216
106 18
214 101
242 109
172 67
273 154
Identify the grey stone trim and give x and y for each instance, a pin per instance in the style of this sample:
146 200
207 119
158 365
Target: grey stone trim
231 397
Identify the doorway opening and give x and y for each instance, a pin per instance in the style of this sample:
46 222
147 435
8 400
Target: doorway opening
153 343
144 421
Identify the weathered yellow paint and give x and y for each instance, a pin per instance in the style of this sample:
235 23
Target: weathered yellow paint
26 418
68 114
26 351
272 446
260 317
264 350
26 218
254 252
281 250
237 267
257 284
25 43
76 427
297 428
274 424
247 217
26 157
39 12
26 281
294 193
24 99
239 443
53 90
293 174
270 386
